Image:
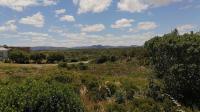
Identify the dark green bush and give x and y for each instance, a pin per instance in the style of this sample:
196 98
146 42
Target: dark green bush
146 105
176 59
55 57
130 89
38 96
115 108
63 78
154 91
7 61
120 97
19 56
101 59
112 88
62 65
113 58
74 60
82 66
38 57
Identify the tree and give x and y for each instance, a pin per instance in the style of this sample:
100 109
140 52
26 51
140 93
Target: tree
19 56
38 57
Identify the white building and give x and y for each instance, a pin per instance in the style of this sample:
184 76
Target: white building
3 53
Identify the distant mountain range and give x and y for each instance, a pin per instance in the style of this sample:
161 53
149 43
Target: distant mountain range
50 48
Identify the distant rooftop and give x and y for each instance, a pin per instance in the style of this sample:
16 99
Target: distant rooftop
3 49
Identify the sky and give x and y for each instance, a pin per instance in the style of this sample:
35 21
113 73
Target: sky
70 23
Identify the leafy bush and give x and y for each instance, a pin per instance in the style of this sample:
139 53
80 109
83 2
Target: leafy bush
130 89
101 59
120 97
74 60
113 58
55 57
112 88
63 78
146 105
154 91
82 66
37 57
176 59
115 108
37 96
19 56
62 65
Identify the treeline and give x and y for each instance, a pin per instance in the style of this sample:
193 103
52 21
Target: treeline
22 57
97 56
176 60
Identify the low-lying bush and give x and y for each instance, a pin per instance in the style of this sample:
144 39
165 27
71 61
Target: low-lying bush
38 96
80 66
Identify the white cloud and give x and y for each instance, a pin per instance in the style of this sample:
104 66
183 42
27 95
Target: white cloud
132 5
34 36
95 6
93 28
20 5
142 5
122 23
157 3
147 25
9 26
60 11
36 20
71 39
185 28
67 18
49 2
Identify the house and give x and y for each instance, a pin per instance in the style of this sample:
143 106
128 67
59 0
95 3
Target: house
3 53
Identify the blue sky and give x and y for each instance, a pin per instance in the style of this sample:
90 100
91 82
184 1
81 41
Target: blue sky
70 23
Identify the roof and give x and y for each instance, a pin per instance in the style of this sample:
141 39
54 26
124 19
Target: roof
3 49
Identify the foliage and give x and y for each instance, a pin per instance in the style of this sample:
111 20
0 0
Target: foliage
55 57
101 59
82 66
36 96
154 91
19 56
37 57
79 66
62 65
176 59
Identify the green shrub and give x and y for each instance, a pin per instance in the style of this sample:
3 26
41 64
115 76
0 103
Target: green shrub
55 57
63 78
120 97
62 65
19 56
38 96
115 108
82 66
7 61
112 88
146 105
113 58
101 59
154 91
74 60
130 89
176 59
38 57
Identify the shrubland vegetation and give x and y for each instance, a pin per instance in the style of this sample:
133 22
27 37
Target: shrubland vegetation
135 79
176 59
